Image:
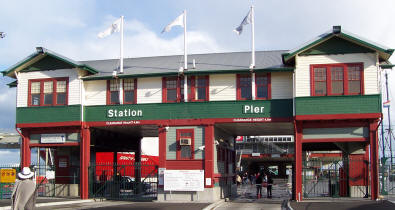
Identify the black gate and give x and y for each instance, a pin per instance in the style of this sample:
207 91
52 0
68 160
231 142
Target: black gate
123 182
335 178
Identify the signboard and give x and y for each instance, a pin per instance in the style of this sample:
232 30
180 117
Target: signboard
7 175
184 180
53 138
256 154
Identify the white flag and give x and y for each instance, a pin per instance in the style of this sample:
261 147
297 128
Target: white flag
246 20
115 27
179 21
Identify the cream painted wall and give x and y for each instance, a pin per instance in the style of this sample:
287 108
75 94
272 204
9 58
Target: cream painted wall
302 71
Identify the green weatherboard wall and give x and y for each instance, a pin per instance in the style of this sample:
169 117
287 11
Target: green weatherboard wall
48 114
338 105
193 110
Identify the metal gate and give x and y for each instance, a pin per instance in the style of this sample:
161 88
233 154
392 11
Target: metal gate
387 177
335 178
123 182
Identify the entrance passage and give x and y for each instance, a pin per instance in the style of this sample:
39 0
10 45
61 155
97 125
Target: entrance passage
347 177
114 181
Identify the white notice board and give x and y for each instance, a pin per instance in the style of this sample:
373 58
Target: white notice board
184 180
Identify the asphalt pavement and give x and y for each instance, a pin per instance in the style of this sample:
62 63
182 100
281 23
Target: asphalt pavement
343 205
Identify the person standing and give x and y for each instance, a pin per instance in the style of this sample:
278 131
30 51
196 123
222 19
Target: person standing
258 184
269 186
238 180
24 192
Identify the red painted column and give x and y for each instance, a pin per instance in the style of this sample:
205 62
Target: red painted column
297 176
84 162
162 152
209 155
25 149
374 178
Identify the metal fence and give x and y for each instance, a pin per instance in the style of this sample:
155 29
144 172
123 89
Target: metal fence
45 187
123 182
336 178
387 177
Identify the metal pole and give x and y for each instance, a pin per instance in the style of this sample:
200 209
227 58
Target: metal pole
389 119
185 40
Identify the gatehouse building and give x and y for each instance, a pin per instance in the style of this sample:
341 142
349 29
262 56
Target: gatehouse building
322 96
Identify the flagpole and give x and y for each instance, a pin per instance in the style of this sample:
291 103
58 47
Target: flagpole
185 58
252 66
121 65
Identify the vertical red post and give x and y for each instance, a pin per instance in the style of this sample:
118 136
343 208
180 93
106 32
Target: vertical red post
25 149
297 176
374 178
162 152
209 155
84 162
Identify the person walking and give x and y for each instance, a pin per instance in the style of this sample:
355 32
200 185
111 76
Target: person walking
269 186
258 184
24 193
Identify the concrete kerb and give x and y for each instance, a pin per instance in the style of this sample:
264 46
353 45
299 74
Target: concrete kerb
53 203
214 205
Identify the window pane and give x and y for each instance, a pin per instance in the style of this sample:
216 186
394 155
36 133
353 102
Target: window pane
172 95
337 80
201 92
129 96
182 89
171 83
114 97
48 98
320 88
61 98
36 99
61 86
354 86
354 79
35 87
128 84
246 92
320 81
186 152
48 87
262 92
114 85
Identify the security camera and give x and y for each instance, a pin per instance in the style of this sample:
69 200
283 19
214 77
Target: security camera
201 147
167 128
216 142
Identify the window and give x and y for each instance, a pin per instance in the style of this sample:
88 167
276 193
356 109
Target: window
198 88
336 79
129 91
185 144
262 86
48 92
113 92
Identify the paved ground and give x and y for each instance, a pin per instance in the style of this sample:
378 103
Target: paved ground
344 205
7 202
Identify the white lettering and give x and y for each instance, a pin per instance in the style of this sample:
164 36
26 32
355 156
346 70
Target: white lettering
110 113
246 109
251 109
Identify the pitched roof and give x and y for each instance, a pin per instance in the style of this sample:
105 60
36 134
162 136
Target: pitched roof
204 63
41 54
384 52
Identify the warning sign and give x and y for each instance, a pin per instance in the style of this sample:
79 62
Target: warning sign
184 180
7 175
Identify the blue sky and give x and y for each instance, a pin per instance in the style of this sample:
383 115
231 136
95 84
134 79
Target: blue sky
70 28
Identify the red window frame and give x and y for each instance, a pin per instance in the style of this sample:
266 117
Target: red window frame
179 89
192 146
346 80
134 92
193 86
54 98
239 76
268 85
109 93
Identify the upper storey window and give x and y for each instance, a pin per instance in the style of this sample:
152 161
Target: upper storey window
262 86
48 92
336 79
173 89
129 91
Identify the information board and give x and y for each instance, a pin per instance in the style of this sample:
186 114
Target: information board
7 175
184 180
53 138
